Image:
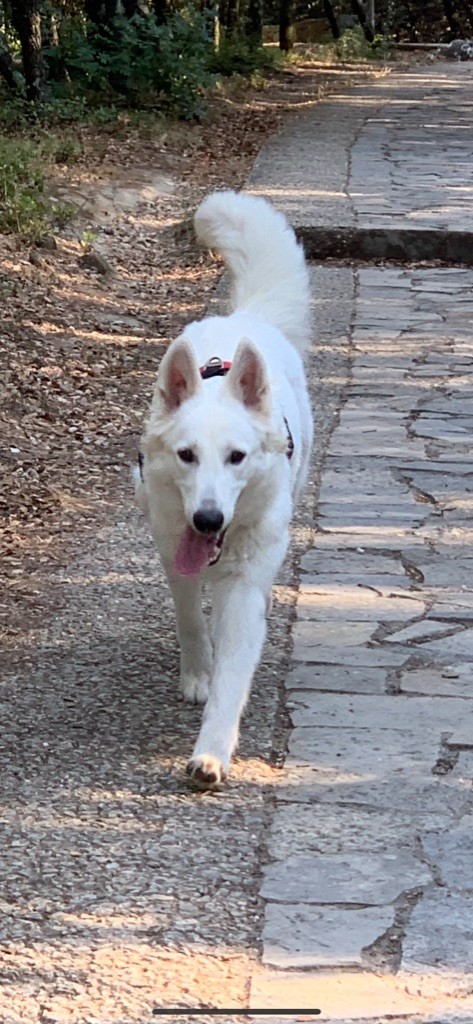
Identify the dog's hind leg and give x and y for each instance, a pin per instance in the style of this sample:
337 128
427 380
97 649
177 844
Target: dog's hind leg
194 641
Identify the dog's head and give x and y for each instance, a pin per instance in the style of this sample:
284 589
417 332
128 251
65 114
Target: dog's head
214 447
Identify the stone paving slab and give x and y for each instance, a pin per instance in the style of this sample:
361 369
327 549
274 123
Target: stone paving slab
325 828
386 713
376 800
374 808
336 679
328 602
366 879
380 202
296 935
422 793
363 753
451 853
438 947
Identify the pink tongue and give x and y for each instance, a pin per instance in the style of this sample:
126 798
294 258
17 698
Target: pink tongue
194 552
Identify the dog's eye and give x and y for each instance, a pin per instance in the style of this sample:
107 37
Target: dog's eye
236 457
186 455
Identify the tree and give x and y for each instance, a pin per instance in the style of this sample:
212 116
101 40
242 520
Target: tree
101 12
160 10
358 9
451 19
254 22
331 18
286 16
26 20
7 67
230 15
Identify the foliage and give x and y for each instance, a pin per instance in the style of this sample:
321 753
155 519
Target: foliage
239 57
352 45
25 207
382 47
139 62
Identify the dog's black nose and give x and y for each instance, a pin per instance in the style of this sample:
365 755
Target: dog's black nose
208 520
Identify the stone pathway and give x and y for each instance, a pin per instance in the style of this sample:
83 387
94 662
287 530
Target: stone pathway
369 885
395 151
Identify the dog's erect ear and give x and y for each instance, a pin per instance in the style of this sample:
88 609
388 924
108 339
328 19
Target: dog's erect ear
247 380
179 377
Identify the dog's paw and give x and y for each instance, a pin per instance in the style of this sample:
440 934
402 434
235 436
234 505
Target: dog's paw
194 689
206 772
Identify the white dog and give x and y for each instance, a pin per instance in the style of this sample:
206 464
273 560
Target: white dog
224 458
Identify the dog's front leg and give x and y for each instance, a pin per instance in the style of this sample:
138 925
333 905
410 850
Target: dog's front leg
194 642
239 633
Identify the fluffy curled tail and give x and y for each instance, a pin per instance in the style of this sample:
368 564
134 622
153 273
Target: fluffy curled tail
266 263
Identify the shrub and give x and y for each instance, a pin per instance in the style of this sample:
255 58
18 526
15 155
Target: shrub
26 209
352 45
23 207
139 62
239 57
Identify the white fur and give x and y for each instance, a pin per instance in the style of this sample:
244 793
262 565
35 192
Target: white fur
244 411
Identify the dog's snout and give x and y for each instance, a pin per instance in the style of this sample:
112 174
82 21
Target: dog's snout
208 520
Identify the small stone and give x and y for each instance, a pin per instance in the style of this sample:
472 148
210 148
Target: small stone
95 261
47 242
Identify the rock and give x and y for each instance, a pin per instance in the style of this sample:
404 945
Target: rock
460 49
47 242
95 261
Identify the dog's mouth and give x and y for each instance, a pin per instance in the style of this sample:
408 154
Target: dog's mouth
197 551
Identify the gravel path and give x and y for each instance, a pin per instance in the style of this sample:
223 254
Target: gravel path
120 888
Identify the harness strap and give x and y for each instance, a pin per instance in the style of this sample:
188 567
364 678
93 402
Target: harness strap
214 367
290 441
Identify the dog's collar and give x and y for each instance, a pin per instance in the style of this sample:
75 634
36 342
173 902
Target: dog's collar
214 367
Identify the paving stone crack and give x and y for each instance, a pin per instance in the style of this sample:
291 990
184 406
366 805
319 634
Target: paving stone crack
384 954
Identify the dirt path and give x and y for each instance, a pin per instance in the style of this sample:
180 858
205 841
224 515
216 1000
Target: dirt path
121 890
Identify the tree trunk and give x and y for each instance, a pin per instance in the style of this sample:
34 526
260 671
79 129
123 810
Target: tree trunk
130 8
26 18
451 19
55 64
229 15
467 11
161 11
331 18
411 22
7 67
216 32
254 22
286 14
101 12
358 9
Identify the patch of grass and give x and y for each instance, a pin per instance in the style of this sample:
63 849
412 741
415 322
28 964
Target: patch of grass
23 205
26 209
352 47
